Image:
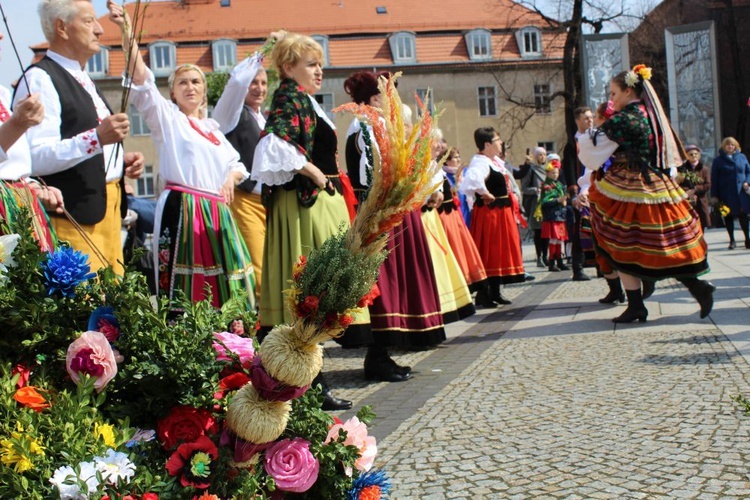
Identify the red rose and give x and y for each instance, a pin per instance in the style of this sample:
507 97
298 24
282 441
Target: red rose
185 424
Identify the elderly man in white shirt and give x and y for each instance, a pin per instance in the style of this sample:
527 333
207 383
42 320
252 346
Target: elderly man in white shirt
75 148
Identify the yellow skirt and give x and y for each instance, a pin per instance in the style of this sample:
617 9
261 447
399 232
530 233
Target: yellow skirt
250 216
455 297
105 235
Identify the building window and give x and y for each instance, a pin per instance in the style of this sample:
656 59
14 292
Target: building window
326 102
323 42
529 41
403 48
487 101
137 123
225 3
162 58
428 99
549 147
542 98
98 65
145 185
479 44
224 53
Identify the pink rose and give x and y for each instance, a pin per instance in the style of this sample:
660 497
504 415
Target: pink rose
91 354
356 435
291 465
241 346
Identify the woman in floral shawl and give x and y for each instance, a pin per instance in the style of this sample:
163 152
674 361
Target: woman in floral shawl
643 223
296 161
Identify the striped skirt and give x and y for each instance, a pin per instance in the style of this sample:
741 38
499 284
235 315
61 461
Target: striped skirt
648 230
198 244
496 234
463 247
13 196
455 297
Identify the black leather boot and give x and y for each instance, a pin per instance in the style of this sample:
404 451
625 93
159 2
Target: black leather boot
482 299
380 366
497 296
636 311
561 265
330 402
703 291
615 292
648 288
552 267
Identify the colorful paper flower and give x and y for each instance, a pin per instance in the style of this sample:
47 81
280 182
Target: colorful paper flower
64 270
356 435
23 375
141 436
65 479
103 320
115 467
291 465
91 354
8 243
192 462
31 398
17 451
643 71
185 424
631 79
241 346
371 485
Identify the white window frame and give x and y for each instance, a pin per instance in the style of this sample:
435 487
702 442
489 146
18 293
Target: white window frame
403 47
545 144
323 41
146 182
321 97
161 69
224 54
138 126
525 38
541 107
429 103
479 44
486 99
103 57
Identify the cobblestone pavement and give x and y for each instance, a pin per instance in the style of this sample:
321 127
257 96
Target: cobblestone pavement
547 398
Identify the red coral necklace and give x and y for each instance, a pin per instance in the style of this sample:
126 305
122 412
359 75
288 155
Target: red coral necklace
209 136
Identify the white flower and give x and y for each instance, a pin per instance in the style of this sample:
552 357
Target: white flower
631 78
115 466
66 481
8 243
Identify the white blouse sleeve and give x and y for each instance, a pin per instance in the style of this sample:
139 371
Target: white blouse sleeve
229 107
473 181
276 161
594 156
584 181
155 109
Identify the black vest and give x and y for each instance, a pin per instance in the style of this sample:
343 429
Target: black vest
496 185
244 138
84 186
353 155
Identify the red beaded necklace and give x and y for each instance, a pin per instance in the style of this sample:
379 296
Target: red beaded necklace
210 136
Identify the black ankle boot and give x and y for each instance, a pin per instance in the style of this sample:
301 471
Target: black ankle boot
497 296
648 288
330 402
553 268
561 265
615 292
381 367
703 291
483 300
636 311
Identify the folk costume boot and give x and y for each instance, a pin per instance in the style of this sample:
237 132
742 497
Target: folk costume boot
561 265
330 402
615 292
497 296
648 288
380 366
636 311
703 291
482 299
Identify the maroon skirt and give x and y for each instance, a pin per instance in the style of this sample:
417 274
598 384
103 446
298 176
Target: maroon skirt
407 312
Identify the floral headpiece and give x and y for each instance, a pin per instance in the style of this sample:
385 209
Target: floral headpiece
639 70
552 164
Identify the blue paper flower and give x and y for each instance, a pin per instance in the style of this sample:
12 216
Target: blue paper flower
103 320
64 270
370 484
